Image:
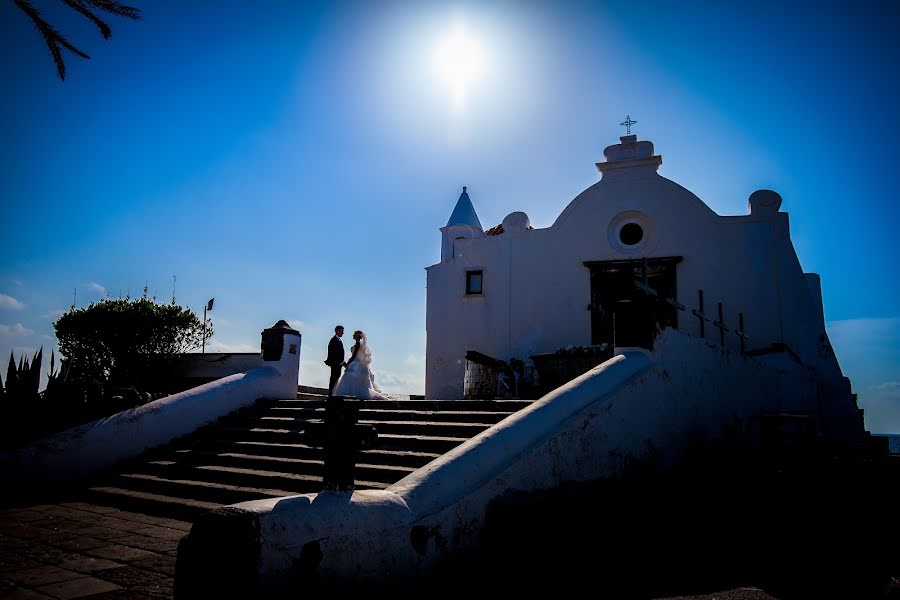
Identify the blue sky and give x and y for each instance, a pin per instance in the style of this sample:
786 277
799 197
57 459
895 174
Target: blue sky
295 160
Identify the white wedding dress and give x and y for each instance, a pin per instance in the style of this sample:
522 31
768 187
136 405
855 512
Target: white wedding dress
357 380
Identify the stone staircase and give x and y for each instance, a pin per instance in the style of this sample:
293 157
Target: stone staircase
256 453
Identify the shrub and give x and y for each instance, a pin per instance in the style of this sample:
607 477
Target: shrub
125 340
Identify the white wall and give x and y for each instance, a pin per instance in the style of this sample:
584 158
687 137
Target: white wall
101 444
219 364
633 409
536 287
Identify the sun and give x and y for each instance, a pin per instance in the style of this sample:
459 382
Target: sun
459 61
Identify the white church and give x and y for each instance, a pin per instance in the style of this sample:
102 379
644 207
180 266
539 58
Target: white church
514 291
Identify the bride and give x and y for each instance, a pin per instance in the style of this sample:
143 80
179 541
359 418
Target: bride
357 380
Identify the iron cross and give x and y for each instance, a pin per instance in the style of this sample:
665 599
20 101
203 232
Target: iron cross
628 123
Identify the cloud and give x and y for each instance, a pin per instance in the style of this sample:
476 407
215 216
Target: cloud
868 350
297 324
882 407
10 303
219 346
53 314
414 360
314 374
16 282
10 332
863 326
405 383
890 387
96 288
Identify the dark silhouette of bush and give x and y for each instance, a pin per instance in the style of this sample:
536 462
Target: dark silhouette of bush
117 354
126 341
26 412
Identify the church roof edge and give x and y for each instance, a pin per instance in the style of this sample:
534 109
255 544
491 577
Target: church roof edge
629 153
464 212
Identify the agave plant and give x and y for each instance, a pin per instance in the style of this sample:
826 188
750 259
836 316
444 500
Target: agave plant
56 379
56 41
24 380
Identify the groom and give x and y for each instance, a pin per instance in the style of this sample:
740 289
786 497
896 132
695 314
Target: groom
335 358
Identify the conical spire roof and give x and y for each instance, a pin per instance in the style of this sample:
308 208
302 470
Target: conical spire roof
464 213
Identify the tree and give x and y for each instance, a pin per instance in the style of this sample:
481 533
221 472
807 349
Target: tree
56 41
125 340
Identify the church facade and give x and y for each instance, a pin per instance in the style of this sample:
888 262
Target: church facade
514 291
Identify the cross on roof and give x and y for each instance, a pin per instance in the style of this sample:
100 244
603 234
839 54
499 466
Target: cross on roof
628 123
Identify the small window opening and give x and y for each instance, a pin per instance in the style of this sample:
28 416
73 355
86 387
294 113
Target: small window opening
631 234
474 282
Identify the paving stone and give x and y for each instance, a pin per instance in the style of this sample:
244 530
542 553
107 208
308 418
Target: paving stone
159 563
15 562
101 533
93 508
173 524
78 588
23 594
140 518
163 533
80 543
119 524
147 543
25 531
161 588
21 516
122 594
120 553
38 576
61 512
59 524
130 577
89 564
49 555
42 507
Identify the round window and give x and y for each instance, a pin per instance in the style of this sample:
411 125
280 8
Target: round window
631 234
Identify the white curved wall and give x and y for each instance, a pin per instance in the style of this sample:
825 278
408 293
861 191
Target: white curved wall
100 444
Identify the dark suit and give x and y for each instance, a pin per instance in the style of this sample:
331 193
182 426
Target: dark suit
335 360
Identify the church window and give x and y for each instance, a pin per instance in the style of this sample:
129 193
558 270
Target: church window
631 234
473 282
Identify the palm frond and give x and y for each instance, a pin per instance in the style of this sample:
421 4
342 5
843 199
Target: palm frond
116 8
52 37
78 5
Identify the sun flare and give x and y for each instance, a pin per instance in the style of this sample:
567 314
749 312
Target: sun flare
459 61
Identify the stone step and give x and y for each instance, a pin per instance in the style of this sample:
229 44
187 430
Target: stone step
197 488
313 467
386 441
437 428
419 443
377 456
295 483
508 406
183 509
257 453
261 448
459 416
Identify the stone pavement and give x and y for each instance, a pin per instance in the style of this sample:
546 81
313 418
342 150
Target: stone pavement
81 550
